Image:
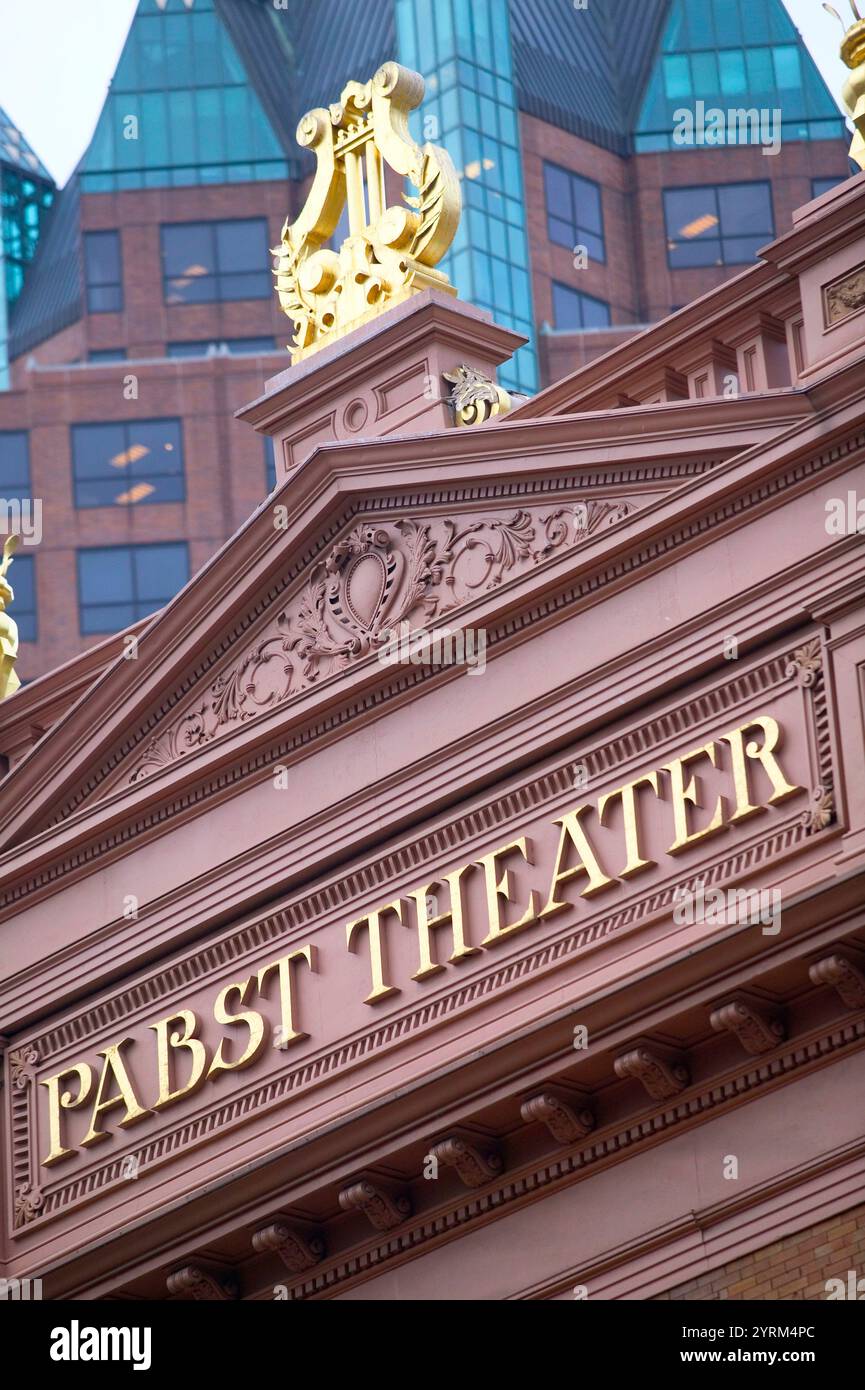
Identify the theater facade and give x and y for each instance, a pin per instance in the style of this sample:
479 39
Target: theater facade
522 957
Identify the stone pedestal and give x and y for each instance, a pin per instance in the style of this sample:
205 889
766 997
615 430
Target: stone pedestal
384 378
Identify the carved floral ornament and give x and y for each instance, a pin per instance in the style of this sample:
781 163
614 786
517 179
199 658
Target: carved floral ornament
380 575
844 297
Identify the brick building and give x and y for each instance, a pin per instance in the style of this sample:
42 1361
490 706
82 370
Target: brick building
147 316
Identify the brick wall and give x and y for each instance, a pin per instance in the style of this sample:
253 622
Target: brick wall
635 279
796 1267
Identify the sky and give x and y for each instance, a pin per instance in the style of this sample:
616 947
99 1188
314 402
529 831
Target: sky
57 57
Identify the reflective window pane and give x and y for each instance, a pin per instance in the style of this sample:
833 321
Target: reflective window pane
22 577
117 585
207 261
14 464
717 225
574 212
573 311
103 274
107 355
819 186
126 464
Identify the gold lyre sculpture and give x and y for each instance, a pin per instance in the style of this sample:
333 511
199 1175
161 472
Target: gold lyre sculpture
9 681
390 253
853 92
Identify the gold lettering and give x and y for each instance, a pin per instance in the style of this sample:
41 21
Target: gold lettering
740 752
186 1039
113 1068
498 890
685 796
635 861
288 1032
453 917
573 834
377 954
249 1017
58 1101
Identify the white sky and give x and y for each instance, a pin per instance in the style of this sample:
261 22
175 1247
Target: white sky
57 57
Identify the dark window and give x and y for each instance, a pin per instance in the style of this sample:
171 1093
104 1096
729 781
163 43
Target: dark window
127 463
573 311
203 261
202 347
819 186
723 225
574 215
103 274
14 465
269 463
119 584
107 355
22 577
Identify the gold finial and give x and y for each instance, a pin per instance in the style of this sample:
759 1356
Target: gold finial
9 681
853 93
390 252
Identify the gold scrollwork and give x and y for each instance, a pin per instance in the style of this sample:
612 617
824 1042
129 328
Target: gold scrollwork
390 252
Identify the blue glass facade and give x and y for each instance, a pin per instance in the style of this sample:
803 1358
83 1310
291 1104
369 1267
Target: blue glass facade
735 54
26 194
181 109
463 50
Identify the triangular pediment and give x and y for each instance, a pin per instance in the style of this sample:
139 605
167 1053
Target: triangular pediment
300 607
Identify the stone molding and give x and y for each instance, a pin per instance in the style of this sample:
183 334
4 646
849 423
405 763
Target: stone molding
149 992
429 1229
622 567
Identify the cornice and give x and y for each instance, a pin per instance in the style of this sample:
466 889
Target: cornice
154 988
625 561
49 696
678 333
449 831
708 1238
838 219
406 329
819 231
217 589
373 1139
603 1149
108 694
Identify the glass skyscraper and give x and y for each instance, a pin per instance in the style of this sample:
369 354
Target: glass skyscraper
26 194
463 50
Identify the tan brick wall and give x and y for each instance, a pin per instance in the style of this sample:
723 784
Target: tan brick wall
796 1267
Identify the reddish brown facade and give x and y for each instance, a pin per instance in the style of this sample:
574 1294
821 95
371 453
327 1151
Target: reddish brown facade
334 974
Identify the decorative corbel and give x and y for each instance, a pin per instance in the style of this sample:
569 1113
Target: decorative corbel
757 1027
565 1122
661 1073
474 398
476 1163
844 975
204 1284
297 1250
383 1208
